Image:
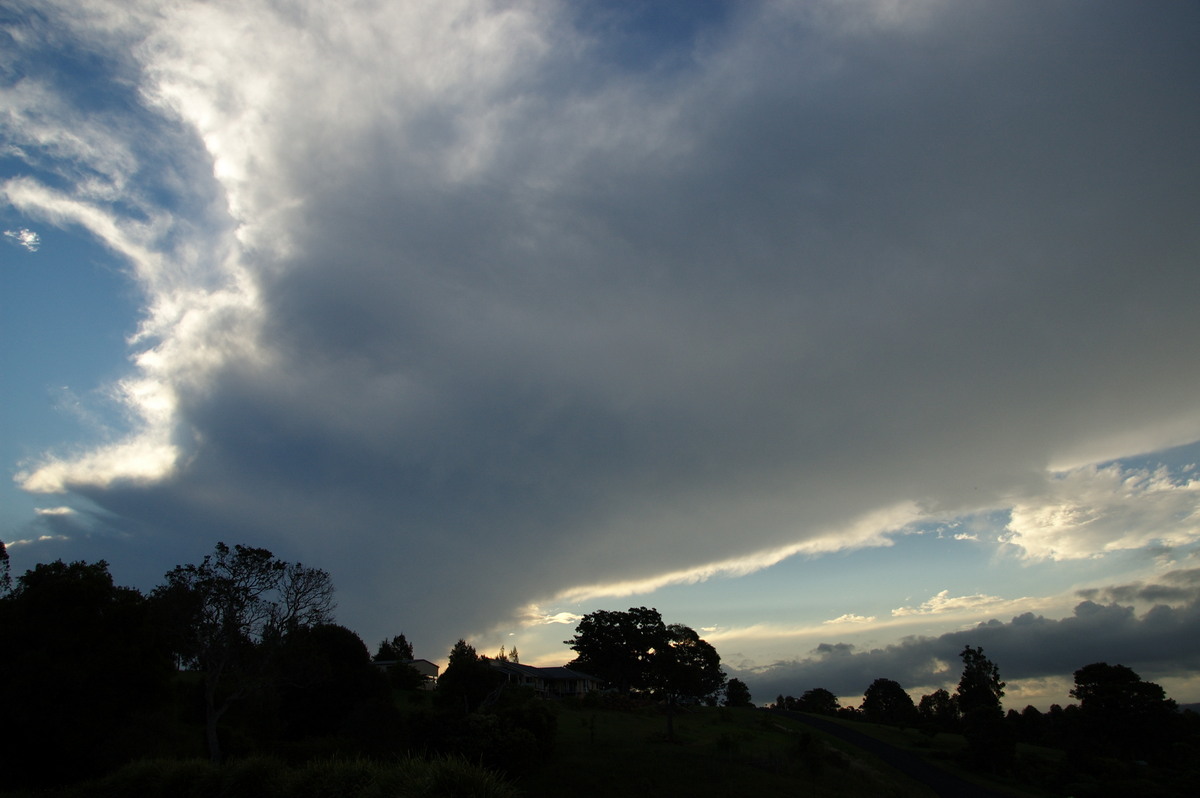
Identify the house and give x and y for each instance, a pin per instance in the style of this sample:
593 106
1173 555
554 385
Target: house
547 682
427 669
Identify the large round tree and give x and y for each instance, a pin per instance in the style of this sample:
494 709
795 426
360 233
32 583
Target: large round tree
1123 716
636 652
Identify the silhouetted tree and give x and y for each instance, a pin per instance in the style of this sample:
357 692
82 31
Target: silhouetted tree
617 647
939 711
1123 715
229 615
5 576
508 655
685 666
990 741
1063 727
468 678
636 651
325 676
819 701
737 694
1031 726
979 688
398 649
82 669
399 652
885 701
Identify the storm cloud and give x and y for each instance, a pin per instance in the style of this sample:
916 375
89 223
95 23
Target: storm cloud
472 303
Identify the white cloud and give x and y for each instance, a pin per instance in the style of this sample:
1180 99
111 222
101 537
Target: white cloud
54 511
850 619
535 617
872 529
943 602
138 461
24 238
1091 511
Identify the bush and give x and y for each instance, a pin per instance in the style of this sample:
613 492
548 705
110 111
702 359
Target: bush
484 739
520 711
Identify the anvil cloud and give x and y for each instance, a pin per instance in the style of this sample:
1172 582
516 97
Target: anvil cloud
480 305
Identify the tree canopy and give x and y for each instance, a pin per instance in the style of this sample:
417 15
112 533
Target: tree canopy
617 647
81 663
468 679
685 666
635 651
818 700
1117 690
397 649
229 614
325 675
939 711
1124 715
979 688
737 694
5 577
885 701
990 741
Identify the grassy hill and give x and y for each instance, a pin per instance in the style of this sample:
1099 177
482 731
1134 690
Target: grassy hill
739 752
716 752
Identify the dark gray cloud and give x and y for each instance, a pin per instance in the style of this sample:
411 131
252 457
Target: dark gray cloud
1165 640
525 319
1179 585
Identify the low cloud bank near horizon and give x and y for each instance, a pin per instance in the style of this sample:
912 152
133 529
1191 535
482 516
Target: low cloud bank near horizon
450 300
1164 640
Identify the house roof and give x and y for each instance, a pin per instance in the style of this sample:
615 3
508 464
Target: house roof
543 673
387 663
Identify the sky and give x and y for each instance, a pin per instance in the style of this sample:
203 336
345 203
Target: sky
846 333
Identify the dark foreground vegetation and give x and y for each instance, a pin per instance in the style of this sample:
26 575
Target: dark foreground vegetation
230 679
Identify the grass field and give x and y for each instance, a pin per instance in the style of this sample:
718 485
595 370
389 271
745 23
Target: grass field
947 751
716 752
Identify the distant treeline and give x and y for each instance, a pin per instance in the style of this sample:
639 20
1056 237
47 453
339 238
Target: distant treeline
1119 718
